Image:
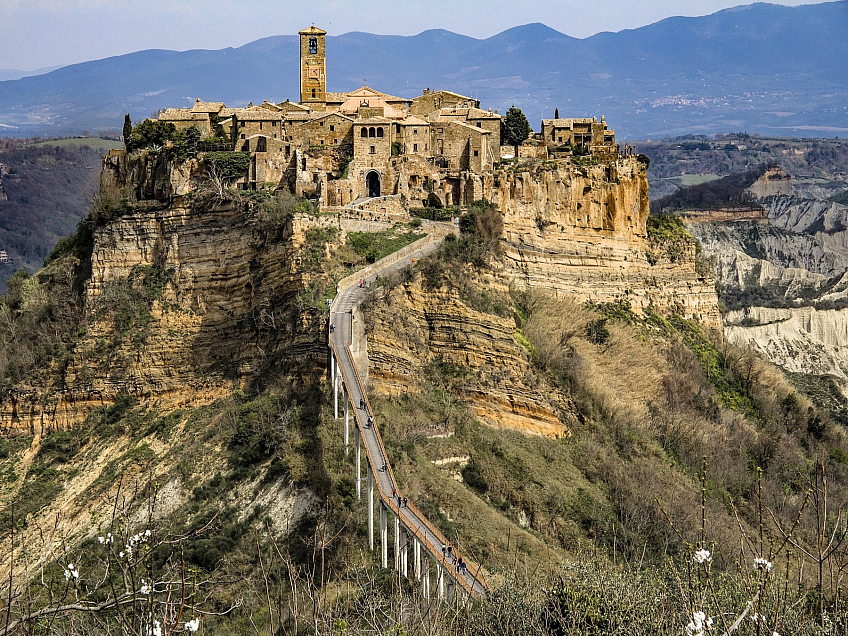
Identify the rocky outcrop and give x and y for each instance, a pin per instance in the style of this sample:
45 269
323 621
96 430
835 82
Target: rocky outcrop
415 334
580 231
786 277
801 340
185 303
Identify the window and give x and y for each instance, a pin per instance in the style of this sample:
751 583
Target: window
414 131
414 147
320 142
372 132
560 139
313 46
241 124
260 125
373 150
364 132
313 93
332 128
322 123
242 135
479 125
397 129
275 135
476 153
335 141
380 131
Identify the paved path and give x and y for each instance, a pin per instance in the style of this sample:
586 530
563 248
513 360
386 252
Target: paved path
411 517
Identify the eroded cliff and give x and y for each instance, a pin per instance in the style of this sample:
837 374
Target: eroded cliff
580 231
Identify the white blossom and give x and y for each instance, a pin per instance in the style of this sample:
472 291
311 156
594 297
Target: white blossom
145 587
698 623
108 539
155 630
762 564
193 625
71 572
702 556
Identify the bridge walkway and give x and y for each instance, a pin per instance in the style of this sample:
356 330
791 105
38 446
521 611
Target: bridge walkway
408 519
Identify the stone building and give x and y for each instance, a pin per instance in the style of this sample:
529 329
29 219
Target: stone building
587 132
345 148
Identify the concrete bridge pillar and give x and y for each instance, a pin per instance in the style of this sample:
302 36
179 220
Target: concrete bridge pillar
440 580
384 537
370 508
347 419
416 559
335 388
404 552
425 574
397 542
358 467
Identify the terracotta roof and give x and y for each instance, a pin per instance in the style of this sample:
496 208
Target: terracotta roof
479 113
176 114
288 105
258 114
364 92
207 107
412 120
442 92
320 115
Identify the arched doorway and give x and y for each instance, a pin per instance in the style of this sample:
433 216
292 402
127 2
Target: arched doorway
372 184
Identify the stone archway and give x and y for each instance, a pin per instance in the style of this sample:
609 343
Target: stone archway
372 184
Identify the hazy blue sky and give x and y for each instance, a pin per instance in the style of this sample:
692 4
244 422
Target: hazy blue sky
40 33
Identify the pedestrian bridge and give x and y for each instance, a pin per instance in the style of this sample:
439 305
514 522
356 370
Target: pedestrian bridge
435 573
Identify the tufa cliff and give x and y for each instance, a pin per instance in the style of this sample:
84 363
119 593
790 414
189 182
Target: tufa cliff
195 290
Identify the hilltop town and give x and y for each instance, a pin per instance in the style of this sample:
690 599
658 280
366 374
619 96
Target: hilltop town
345 148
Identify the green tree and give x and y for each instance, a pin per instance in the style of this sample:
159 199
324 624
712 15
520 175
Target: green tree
514 128
151 132
127 129
556 113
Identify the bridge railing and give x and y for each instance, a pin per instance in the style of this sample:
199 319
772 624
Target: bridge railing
388 500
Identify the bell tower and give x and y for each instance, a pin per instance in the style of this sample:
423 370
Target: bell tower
313 66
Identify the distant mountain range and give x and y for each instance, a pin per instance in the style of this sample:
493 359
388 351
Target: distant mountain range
761 68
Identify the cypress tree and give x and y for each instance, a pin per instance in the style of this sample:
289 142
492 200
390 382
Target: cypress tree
127 130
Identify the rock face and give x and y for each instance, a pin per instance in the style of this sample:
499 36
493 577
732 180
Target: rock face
190 297
223 308
581 231
801 340
785 277
416 332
